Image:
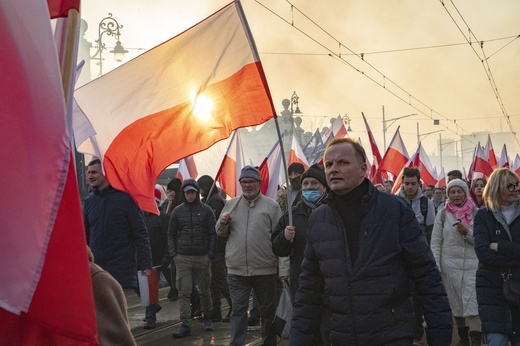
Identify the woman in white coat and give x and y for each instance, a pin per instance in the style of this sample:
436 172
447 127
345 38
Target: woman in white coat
453 248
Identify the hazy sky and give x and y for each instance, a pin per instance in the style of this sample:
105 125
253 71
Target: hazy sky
416 59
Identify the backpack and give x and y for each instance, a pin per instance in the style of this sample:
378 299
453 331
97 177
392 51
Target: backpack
424 207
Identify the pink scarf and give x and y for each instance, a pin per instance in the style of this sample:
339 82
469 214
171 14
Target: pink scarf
462 212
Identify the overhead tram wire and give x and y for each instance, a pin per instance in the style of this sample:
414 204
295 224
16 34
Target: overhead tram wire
361 56
483 61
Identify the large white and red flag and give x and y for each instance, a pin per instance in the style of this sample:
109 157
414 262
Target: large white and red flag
516 164
270 171
175 100
441 182
187 168
296 153
396 155
480 167
37 252
229 170
490 153
504 158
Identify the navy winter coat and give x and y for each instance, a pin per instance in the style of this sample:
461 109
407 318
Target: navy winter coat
370 299
496 316
117 234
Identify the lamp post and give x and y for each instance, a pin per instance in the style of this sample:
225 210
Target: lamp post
444 145
294 103
419 136
385 127
110 27
347 121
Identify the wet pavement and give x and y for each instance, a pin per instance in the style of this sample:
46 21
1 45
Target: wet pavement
168 323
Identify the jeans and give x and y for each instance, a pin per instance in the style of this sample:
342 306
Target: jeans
498 339
240 288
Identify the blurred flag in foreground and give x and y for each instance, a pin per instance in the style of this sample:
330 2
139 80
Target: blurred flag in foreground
37 253
175 100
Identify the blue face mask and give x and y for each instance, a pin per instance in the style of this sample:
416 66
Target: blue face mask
311 195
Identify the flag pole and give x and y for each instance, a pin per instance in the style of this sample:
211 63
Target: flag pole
284 162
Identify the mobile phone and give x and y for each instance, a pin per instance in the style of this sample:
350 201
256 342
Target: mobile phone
456 223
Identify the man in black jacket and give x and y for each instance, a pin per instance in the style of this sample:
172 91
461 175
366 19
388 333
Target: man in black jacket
363 249
191 243
116 231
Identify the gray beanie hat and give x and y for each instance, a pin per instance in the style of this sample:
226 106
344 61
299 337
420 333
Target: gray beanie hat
250 172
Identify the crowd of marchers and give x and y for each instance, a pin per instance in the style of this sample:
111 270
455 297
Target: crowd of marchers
364 266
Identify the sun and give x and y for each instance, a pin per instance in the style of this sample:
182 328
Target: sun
203 107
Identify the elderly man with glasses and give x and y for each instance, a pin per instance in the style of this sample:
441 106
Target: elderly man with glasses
248 221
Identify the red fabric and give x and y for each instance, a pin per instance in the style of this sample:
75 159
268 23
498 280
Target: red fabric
61 8
270 172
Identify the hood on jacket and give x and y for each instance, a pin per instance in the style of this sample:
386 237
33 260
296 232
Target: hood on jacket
206 182
191 184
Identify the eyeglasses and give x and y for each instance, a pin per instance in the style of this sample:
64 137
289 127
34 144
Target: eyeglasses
248 182
512 187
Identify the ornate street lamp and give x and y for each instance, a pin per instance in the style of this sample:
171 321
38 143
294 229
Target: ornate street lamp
110 27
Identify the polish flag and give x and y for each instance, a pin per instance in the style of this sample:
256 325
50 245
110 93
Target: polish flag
296 154
37 252
464 174
187 169
421 161
504 159
270 171
336 130
442 179
516 164
396 155
480 168
149 287
175 100
229 171
490 153
375 172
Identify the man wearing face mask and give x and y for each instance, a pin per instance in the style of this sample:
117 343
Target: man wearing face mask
295 171
291 240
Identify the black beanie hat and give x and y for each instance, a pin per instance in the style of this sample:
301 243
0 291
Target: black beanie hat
174 185
295 167
317 172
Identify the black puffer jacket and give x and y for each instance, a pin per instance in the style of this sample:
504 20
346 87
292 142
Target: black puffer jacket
370 299
192 227
496 316
117 234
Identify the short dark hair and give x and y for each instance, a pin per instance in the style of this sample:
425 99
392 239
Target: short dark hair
360 151
411 172
455 173
94 162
